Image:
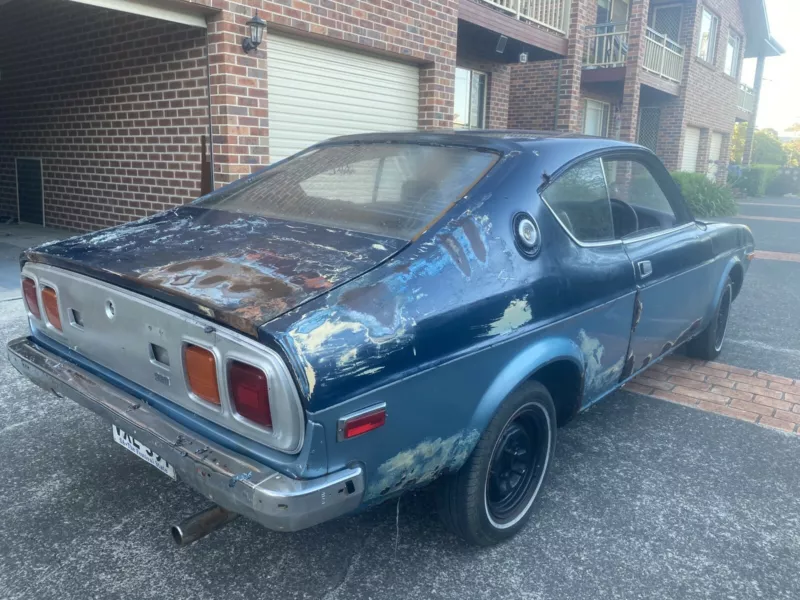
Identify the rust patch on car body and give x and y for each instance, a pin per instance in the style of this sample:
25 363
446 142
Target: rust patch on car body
240 270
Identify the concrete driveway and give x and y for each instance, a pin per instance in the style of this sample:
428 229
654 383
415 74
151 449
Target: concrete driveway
13 240
646 499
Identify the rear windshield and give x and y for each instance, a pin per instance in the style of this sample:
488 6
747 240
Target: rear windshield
393 190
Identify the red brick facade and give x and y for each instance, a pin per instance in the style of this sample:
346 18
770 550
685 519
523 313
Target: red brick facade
115 105
420 31
532 96
128 142
706 97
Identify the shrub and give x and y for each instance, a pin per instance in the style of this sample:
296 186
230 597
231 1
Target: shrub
706 198
755 179
787 181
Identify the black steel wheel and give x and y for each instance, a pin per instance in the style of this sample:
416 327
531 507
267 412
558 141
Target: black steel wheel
708 343
492 496
517 463
723 312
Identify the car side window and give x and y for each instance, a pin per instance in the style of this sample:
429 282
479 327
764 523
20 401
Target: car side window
579 198
638 204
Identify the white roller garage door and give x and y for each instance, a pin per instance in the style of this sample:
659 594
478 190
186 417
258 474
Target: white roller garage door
317 92
691 148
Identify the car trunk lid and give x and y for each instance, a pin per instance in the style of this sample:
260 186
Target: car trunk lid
241 270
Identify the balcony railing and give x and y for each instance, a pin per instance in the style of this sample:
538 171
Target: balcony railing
747 98
548 13
663 56
606 45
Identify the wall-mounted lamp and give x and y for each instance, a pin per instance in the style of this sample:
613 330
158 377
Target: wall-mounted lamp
256 25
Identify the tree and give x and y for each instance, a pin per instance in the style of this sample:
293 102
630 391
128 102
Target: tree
737 142
792 150
767 148
794 128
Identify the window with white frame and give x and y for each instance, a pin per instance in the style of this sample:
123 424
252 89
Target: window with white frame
709 26
470 99
732 55
596 117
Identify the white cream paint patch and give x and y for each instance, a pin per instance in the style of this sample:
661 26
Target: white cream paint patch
516 314
423 463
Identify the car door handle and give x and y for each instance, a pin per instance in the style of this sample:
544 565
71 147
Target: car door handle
645 268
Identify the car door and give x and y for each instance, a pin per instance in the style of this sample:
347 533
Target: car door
671 255
591 281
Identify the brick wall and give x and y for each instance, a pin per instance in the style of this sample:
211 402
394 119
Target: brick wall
418 31
114 104
708 97
532 96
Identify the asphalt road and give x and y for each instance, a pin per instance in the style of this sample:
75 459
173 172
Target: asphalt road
763 332
645 499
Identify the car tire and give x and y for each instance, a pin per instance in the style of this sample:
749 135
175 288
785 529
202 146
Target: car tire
492 496
708 344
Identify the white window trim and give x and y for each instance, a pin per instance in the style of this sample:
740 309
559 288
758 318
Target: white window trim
713 40
606 108
484 100
735 63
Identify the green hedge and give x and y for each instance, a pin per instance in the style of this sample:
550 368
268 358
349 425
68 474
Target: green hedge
787 181
755 179
706 198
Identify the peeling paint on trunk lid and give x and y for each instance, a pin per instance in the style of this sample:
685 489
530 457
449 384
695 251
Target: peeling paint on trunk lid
240 269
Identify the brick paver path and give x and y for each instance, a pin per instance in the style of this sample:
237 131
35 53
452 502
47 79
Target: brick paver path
743 394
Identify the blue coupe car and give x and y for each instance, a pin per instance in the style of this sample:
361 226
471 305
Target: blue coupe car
379 313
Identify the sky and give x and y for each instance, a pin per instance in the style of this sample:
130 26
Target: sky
780 93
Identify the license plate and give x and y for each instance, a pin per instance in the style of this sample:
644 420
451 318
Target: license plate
139 449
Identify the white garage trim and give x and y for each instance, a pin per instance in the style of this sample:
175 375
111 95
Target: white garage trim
150 8
691 149
714 155
317 92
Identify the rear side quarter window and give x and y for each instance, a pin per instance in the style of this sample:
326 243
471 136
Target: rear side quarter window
579 199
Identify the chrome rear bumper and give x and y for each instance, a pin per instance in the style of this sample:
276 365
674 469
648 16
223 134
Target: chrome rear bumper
233 481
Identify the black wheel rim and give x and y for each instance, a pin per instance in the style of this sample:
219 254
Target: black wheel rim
517 464
722 319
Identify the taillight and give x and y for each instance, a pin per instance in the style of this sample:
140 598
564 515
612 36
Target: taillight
361 423
201 372
29 293
249 392
50 302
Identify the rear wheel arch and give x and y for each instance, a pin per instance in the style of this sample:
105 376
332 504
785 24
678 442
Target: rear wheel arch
563 378
546 361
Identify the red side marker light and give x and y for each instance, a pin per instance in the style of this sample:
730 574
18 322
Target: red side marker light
361 423
29 293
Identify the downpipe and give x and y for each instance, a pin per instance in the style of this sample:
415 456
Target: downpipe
200 525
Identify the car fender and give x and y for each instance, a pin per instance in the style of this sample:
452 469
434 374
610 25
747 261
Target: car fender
732 262
520 369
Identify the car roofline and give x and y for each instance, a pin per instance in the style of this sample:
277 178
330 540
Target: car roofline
503 140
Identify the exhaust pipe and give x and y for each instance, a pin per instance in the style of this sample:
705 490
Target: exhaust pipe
201 524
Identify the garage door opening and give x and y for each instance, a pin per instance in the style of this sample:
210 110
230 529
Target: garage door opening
115 104
30 191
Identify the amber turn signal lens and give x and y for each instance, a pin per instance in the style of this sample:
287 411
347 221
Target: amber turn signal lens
50 301
201 371
31 301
